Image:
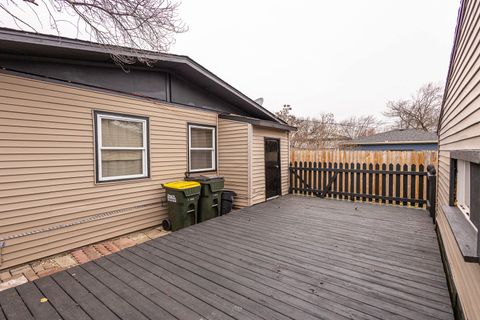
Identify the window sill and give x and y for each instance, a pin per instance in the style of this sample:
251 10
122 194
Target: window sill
201 171
466 155
464 233
121 181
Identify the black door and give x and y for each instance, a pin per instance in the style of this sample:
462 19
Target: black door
272 168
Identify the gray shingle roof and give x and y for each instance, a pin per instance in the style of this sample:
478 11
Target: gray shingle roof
398 136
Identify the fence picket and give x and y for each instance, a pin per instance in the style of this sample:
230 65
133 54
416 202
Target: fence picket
304 177
405 185
412 185
334 186
358 191
384 182
377 182
352 181
370 182
329 175
296 176
397 183
364 181
390 182
310 178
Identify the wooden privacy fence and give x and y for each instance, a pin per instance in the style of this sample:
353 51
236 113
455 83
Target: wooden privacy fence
356 156
392 183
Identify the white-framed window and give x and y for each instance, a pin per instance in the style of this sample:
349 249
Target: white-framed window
121 147
201 148
463 187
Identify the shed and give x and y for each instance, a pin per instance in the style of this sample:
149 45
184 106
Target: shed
86 145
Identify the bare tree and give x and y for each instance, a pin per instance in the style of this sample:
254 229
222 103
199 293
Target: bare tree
315 133
286 115
296 137
136 24
323 131
356 127
419 112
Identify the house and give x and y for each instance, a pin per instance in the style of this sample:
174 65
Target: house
400 139
86 146
458 191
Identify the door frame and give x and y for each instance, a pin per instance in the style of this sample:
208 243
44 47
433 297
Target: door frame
279 188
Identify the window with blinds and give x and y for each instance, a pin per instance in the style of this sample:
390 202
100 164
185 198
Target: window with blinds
202 148
122 147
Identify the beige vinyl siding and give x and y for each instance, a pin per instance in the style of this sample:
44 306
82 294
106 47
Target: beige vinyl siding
233 158
258 161
47 167
460 129
466 275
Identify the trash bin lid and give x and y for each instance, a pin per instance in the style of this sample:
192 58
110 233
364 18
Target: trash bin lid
181 185
204 179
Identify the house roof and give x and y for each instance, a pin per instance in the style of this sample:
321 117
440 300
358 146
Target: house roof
257 122
49 46
399 136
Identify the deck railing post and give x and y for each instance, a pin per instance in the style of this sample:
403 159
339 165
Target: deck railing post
432 190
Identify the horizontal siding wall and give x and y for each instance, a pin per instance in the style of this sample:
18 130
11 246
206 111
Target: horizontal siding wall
466 276
233 158
47 167
460 129
258 161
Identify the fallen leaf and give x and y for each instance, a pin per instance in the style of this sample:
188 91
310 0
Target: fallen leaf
43 300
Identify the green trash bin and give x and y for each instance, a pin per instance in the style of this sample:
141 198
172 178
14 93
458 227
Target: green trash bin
182 200
209 205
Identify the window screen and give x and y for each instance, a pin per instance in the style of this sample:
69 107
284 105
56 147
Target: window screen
201 148
121 147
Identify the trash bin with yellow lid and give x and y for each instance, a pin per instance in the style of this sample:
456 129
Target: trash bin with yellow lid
182 203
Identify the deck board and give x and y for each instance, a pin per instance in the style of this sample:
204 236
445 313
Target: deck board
60 300
32 297
291 258
87 301
13 306
110 299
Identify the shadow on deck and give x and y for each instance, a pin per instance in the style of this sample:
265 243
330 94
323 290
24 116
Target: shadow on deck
290 258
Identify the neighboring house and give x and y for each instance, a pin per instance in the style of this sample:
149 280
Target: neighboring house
398 140
458 205
86 146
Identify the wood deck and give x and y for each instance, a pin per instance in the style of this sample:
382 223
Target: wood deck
290 258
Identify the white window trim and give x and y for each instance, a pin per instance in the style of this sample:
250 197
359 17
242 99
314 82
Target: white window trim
100 147
462 192
212 149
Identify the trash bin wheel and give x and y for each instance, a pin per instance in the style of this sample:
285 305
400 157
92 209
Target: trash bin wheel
166 225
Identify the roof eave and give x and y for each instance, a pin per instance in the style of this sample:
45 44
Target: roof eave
258 122
61 42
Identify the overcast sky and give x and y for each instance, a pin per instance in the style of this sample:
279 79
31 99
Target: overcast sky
346 57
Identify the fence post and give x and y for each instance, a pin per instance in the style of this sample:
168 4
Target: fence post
432 190
290 175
